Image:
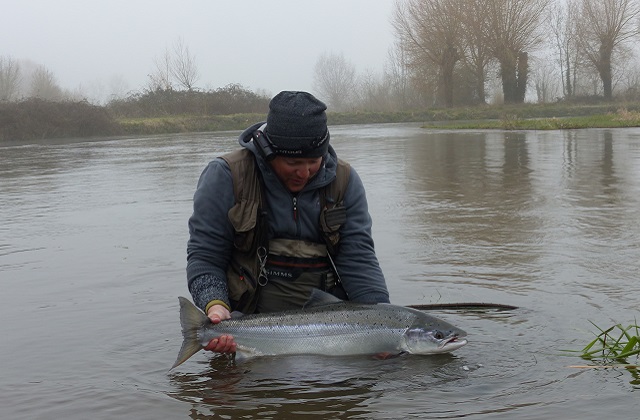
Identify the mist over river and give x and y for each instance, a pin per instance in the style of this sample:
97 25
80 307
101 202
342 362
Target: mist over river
93 252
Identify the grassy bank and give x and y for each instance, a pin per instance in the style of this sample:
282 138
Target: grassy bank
186 123
621 118
35 119
508 117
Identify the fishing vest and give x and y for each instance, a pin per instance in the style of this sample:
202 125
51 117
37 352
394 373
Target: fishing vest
267 275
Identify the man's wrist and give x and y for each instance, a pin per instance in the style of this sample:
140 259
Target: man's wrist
216 302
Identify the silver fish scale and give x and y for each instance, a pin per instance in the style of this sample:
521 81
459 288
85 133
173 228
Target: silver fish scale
338 329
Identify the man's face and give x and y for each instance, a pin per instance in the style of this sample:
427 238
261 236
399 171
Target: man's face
295 172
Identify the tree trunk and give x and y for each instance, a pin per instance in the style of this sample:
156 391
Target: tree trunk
480 84
604 69
568 76
522 76
509 80
449 59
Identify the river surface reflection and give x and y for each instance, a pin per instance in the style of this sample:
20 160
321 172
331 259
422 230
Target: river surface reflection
92 256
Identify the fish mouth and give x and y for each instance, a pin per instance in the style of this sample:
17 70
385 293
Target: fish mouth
452 343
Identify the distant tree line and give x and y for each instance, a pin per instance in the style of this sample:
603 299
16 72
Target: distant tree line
463 52
20 80
171 89
33 106
446 53
231 99
35 118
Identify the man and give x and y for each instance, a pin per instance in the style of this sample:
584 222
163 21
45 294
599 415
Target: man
279 217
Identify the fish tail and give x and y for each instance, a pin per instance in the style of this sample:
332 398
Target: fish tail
191 319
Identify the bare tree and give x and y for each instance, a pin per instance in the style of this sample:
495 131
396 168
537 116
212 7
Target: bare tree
183 66
430 33
546 80
514 30
174 68
630 83
44 85
397 74
118 87
160 78
373 92
335 80
477 54
562 36
10 78
604 27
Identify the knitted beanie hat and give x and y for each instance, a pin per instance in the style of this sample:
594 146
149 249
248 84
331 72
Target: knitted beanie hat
297 125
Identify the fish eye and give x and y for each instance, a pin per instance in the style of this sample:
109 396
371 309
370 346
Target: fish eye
438 335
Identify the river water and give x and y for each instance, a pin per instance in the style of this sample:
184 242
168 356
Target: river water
92 259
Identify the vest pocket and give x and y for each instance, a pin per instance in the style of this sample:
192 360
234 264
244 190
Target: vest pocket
244 216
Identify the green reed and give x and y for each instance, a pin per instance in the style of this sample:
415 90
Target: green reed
614 343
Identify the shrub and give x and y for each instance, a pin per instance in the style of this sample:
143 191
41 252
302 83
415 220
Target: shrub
33 119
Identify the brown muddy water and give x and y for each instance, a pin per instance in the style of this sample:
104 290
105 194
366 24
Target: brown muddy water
92 260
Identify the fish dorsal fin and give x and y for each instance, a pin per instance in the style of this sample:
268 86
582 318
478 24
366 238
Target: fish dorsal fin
320 298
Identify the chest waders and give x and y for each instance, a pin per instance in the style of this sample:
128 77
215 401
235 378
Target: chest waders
266 275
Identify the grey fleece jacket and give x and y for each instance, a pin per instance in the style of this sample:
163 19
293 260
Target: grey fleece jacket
211 234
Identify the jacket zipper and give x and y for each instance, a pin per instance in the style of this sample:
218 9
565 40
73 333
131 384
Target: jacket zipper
295 209
296 219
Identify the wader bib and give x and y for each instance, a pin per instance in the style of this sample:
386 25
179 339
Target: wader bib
278 274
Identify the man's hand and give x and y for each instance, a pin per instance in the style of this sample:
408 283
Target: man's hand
224 343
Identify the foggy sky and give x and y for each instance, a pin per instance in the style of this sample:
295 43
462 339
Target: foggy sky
271 45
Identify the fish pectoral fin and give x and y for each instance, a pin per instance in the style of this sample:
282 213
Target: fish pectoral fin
244 352
386 355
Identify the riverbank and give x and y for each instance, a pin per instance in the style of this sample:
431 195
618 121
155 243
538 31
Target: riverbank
506 117
620 118
36 120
